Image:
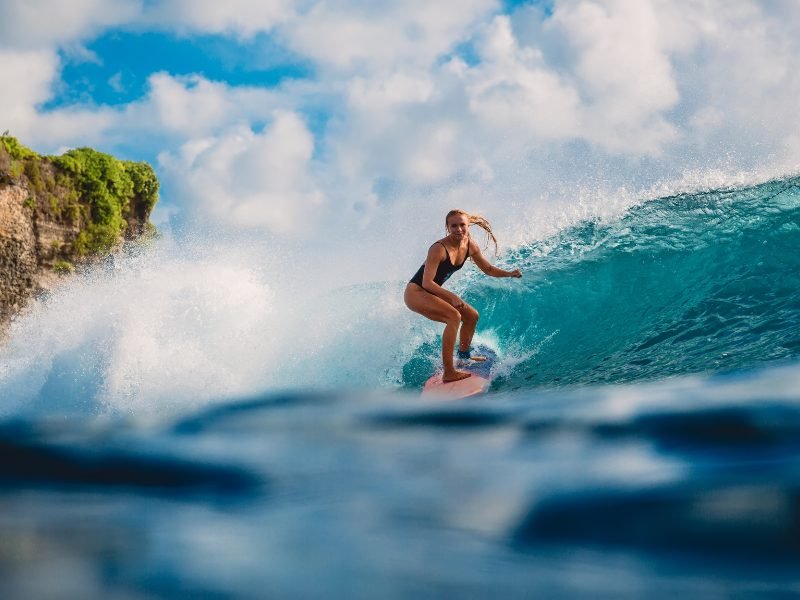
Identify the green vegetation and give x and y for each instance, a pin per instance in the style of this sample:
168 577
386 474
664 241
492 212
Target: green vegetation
34 175
93 190
102 180
16 150
16 168
145 182
63 267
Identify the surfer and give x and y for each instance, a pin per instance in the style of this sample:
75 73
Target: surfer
425 295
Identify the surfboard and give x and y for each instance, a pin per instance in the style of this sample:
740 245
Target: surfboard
478 383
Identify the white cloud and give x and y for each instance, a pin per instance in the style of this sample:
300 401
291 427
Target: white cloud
178 109
70 127
27 77
248 180
377 93
243 18
513 89
31 34
738 69
49 23
358 36
621 64
193 105
622 71
394 125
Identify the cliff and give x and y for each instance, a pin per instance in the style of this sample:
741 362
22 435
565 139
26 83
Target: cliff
57 212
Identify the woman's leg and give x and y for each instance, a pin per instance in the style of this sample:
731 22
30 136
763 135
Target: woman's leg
436 309
469 321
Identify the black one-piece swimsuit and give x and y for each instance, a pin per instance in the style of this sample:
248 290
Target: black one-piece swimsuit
443 271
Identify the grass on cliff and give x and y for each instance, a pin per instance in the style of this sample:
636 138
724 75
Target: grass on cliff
16 150
98 181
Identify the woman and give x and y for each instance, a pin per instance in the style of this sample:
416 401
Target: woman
426 296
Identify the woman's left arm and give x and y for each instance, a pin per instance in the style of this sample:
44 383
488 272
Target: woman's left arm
487 267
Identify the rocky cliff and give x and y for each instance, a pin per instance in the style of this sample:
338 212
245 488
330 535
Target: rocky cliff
58 212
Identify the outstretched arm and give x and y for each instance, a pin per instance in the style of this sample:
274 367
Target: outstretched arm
487 267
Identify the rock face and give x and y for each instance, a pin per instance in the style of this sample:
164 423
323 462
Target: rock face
19 264
59 212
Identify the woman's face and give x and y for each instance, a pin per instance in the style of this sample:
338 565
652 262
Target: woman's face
458 226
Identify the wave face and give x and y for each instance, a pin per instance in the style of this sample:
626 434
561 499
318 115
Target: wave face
688 283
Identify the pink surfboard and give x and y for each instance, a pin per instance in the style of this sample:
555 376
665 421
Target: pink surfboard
477 383
463 388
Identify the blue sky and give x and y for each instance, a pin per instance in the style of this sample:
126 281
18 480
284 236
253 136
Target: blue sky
118 63
255 113
113 67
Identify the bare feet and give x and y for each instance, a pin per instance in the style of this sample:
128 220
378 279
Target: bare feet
455 376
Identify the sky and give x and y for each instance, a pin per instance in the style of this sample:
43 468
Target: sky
282 118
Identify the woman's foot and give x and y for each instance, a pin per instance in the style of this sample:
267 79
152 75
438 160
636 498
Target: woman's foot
455 376
465 355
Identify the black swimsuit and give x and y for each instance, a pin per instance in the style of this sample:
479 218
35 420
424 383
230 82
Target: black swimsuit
443 271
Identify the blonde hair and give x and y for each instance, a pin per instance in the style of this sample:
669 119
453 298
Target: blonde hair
478 220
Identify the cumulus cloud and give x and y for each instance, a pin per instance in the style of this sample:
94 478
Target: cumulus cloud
623 71
28 76
243 18
32 73
175 109
45 24
193 105
31 35
392 126
354 35
514 90
621 63
246 180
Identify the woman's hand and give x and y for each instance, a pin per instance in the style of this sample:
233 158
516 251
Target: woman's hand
515 273
457 302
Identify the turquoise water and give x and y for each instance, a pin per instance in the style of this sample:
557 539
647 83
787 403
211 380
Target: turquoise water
691 283
165 435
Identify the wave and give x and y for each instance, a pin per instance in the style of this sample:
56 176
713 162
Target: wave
688 283
702 281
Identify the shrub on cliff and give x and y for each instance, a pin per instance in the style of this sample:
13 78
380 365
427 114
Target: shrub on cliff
16 150
102 182
94 190
101 179
145 182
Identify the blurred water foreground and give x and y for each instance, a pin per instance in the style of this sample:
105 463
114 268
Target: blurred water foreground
688 486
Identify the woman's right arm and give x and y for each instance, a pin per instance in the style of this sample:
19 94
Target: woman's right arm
436 254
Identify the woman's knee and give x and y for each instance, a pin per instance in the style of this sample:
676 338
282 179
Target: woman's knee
453 317
470 315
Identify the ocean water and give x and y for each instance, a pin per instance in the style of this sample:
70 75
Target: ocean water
183 423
